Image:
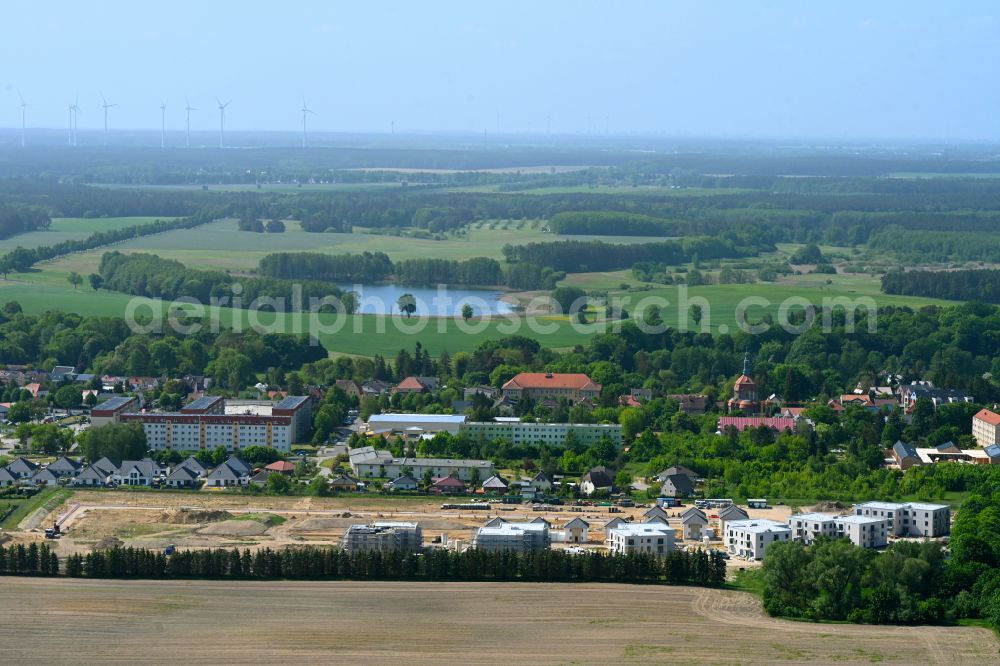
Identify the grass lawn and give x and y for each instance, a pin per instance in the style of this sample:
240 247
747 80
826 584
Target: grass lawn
49 499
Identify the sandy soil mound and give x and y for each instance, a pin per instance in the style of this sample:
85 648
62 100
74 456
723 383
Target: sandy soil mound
829 506
235 528
108 543
189 516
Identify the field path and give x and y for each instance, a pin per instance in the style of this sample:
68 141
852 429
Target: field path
89 621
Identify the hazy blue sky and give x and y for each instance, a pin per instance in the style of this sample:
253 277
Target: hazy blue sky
782 69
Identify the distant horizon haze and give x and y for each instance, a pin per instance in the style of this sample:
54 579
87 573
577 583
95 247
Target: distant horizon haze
730 70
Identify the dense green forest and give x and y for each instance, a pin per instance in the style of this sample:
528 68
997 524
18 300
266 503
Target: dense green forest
963 285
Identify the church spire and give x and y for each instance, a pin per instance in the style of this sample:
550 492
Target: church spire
746 364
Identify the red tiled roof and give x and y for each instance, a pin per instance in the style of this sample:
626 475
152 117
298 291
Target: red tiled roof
990 417
449 481
744 380
743 422
411 384
533 380
281 466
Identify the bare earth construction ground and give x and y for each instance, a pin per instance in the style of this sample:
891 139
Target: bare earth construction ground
87 621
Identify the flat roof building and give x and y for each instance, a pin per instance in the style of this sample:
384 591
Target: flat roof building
912 519
414 424
208 422
650 538
553 434
383 537
516 537
749 539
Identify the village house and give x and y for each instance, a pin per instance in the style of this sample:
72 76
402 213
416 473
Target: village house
232 472
693 521
447 485
350 387
599 479
677 485
905 456
280 467
136 472
343 483
182 477
655 514
96 474
495 484
728 514
6 478
417 385
690 403
22 468
576 531
405 482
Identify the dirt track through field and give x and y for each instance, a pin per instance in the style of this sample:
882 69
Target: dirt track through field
86 621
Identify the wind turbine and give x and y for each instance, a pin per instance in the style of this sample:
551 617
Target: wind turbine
76 113
163 124
305 110
222 118
24 105
106 106
187 134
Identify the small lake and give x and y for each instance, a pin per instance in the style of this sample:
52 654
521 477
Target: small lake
433 301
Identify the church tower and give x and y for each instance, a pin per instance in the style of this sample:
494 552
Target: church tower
745 391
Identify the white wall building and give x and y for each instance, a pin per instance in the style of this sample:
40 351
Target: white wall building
749 539
383 536
651 538
518 537
912 519
554 434
986 428
414 424
208 423
370 463
863 531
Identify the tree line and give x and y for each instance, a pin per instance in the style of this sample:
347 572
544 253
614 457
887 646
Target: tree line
921 247
19 219
21 259
964 285
584 256
149 275
695 567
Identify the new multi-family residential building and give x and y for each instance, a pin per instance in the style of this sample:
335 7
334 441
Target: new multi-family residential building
518 537
210 422
913 519
863 531
367 462
383 537
749 539
650 538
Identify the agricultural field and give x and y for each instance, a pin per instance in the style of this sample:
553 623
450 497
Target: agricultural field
221 245
64 620
73 228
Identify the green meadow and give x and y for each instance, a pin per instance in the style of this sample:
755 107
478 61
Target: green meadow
73 228
221 245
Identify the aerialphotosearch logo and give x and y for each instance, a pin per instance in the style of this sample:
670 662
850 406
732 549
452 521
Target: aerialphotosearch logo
541 315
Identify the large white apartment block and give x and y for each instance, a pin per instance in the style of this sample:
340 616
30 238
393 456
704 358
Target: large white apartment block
383 536
650 538
517 537
210 422
370 463
807 527
553 434
986 428
749 539
863 531
912 519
